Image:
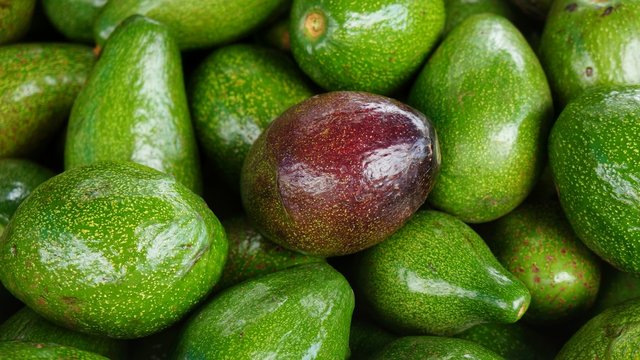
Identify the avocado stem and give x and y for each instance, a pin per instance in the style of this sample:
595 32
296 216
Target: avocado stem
315 25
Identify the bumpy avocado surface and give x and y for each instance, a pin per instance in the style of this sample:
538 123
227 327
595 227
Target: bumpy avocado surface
115 249
15 18
511 341
431 348
13 350
490 102
74 18
18 178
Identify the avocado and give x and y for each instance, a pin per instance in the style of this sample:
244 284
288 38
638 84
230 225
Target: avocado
617 287
437 276
614 334
74 18
276 35
298 313
536 9
536 244
251 255
511 341
366 45
134 106
589 43
490 102
194 23
339 172
432 347
14 350
15 18
38 84
234 94
158 346
459 10
28 326
136 250
594 153
366 339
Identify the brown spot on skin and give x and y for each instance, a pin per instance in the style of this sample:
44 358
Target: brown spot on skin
607 11
42 301
97 50
39 346
571 7
70 300
536 279
549 258
535 268
563 251
589 71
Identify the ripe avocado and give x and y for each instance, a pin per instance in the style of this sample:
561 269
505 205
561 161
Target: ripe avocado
115 249
15 18
74 18
594 153
490 102
14 350
432 347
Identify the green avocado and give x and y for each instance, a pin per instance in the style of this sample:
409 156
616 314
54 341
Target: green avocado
437 276
14 350
591 43
134 106
491 105
617 287
276 35
512 341
536 244
594 153
28 326
235 94
366 339
614 334
459 10
368 45
115 249
298 313
74 18
15 18
38 84
434 348
193 23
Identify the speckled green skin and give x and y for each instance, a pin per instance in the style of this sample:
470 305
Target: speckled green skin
617 287
302 312
512 341
15 18
115 249
252 255
134 106
434 348
38 84
537 9
491 105
28 326
14 350
194 23
589 43
459 10
369 45
18 178
74 18
536 243
612 335
366 339
594 153
235 94
437 276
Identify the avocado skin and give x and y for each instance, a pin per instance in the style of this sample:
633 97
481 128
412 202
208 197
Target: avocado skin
38 84
617 287
366 339
536 244
511 341
593 153
13 350
136 250
369 45
74 18
193 23
28 326
432 347
235 94
491 105
588 44
437 276
613 334
15 18
305 310
459 10
134 106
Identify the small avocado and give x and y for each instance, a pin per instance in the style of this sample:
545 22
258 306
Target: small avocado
594 153
591 43
74 18
491 105
15 18
339 172
614 334
459 10
38 85
298 313
437 276
134 106
28 326
617 287
194 23
536 244
136 250
235 94
367 338
14 350
432 348
367 45
512 341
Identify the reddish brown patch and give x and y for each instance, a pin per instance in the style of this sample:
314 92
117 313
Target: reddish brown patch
536 279
607 11
535 268
589 71
563 251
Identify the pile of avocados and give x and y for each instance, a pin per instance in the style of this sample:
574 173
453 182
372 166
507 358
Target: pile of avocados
320 179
